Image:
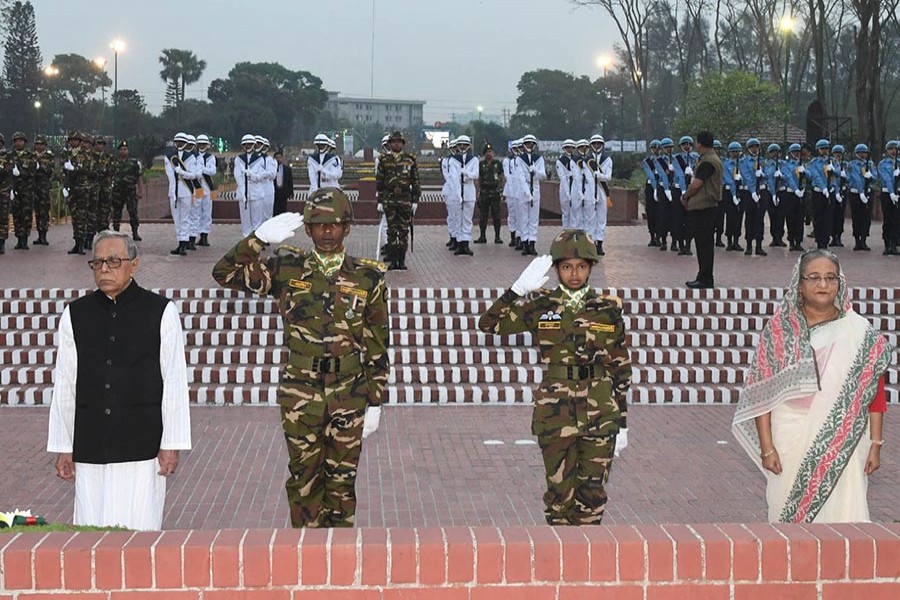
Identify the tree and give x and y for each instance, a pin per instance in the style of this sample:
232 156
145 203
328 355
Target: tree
180 69
731 103
78 79
269 99
553 104
21 64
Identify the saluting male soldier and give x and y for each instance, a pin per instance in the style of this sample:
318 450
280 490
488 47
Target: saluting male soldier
22 205
5 190
490 181
397 183
126 173
580 408
334 309
42 176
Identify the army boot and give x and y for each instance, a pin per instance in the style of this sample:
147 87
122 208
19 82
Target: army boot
192 243
2 246
662 243
181 250
88 243
482 239
463 249
204 240
451 242
76 249
401 259
512 240
22 244
759 249
134 234
453 245
600 251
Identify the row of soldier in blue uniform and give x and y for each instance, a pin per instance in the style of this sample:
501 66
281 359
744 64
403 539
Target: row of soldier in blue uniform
789 190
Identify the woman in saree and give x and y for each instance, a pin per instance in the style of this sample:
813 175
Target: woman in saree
811 411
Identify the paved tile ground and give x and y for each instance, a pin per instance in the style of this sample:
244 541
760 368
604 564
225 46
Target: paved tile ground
628 263
430 466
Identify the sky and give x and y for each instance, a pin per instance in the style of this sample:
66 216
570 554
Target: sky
455 55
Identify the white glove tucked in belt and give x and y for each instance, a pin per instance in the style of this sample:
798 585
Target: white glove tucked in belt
371 420
621 441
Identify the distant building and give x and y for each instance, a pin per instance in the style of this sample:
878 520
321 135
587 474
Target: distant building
392 114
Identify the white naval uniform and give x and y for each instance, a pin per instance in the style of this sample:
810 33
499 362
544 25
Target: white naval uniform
129 494
468 175
451 168
565 170
180 194
509 192
325 170
207 164
603 174
264 182
530 171
244 166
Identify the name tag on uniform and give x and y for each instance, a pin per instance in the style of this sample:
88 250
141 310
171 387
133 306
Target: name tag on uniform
549 325
300 285
346 289
604 327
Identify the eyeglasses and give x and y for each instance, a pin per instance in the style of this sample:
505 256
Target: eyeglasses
113 262
817 279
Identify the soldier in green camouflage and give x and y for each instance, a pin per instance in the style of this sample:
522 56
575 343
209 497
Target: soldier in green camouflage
22 204
104 164
126 174
334 309
490 183
5 190
42 176
580 408
77 191
91 186
397 183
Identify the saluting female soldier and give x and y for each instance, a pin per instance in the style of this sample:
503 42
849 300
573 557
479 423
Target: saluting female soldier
580 408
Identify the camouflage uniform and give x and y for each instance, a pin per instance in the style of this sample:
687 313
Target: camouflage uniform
5 188
581 405
397 182
79 185
126 173
336 328
94 179
104 164
42 177
22 205
490 174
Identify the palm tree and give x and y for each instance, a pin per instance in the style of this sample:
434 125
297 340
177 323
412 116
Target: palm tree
180 68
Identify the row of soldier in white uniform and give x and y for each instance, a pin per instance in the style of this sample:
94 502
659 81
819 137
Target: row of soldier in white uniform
190 168
787 190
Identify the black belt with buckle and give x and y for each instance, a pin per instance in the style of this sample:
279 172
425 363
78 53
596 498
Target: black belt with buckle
327 364
573 372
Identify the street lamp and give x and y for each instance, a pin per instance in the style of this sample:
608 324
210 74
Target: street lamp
101 64
116 46
37 109
480 110
786 25
51 71
604 61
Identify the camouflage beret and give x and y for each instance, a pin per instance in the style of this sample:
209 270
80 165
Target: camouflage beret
328 205
573 243
19 136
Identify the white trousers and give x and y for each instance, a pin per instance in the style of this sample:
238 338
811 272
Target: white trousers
194 218
181 215
576 215
464 221
454 215
600 225
246 219
512 214
529 215
130 495
565 206
268 209
206 206
258 210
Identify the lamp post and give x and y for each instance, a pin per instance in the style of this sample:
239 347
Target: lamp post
480 110
37 109
116 46
101 64
786 25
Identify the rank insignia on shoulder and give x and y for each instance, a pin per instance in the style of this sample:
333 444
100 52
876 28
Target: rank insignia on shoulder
286 249
603 327
346 289
614 299
372 263
300 285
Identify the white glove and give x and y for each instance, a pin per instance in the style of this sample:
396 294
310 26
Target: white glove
655 195
736 200
801 169
277 229
778 173
15 171
759 173
534 276
897 172
737 176
380 207
371 420
415 205
798 193
838 197
530 197
12 195
669 195
621 441
863 198
671 167
182 172
826 192
65 192
868 175
894 198
689 171
755 197
531 169
68 166
844 174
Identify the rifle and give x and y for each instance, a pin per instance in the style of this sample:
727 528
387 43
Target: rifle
319 171
462 179
412 234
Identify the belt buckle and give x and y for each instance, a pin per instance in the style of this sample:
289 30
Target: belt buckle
322 365
585 371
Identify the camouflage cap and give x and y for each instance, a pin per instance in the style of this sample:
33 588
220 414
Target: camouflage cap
100 140
39 139
74 135
397 135
328 205
573 243
19 136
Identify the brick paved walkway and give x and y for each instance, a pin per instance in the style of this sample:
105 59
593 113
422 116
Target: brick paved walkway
628 263
430 466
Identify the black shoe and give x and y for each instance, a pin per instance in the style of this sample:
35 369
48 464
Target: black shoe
116 226
137 238
497 239
838 242
88 243
76 249
204 240
699 285
662 244
653 243
451 242
453 245
520 244
865 247
23 243
462 249
887 251
796 247
686 250
41 239
759 249
389 256
192 243
481 240
401 260
2 246
894 251
181 250
600 251
749 250
719 243
737 245
512 241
